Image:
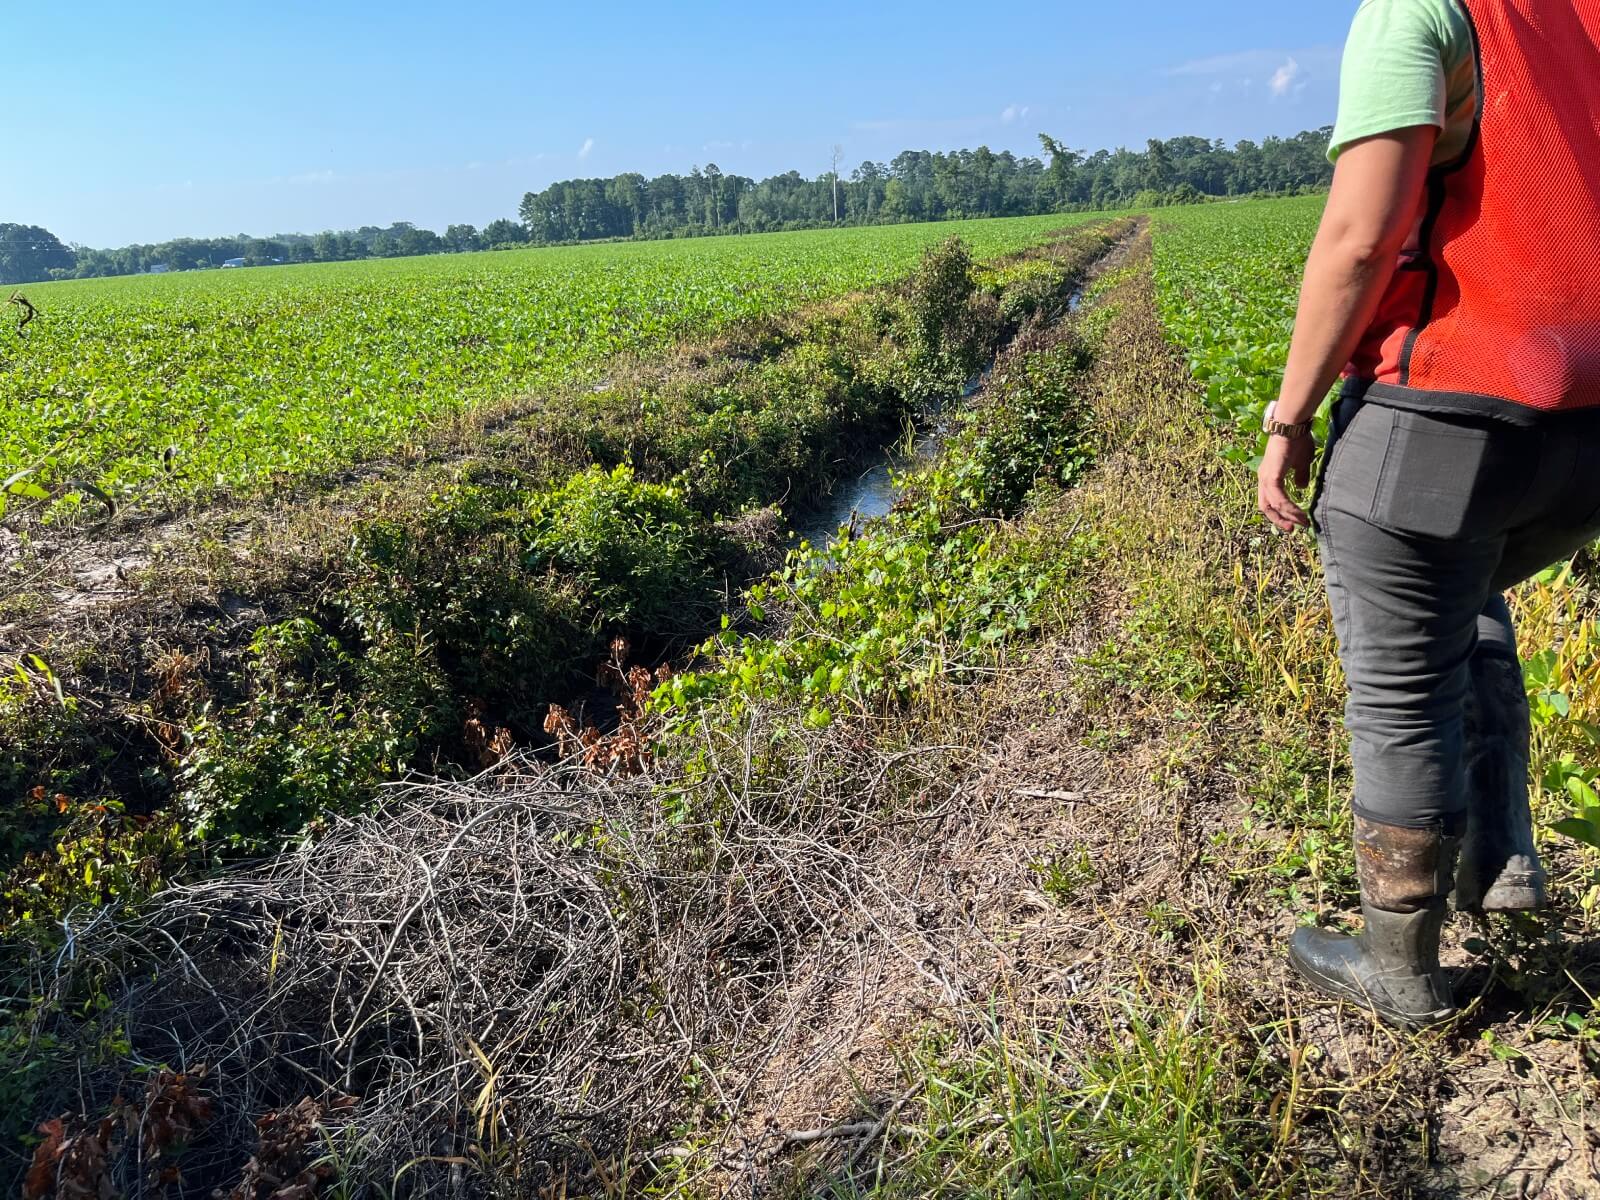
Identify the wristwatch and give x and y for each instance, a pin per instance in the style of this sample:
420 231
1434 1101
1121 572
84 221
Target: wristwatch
1275 427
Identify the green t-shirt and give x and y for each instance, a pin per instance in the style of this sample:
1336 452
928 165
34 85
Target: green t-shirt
1408 62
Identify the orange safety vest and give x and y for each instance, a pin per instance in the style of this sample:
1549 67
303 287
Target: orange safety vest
1496 308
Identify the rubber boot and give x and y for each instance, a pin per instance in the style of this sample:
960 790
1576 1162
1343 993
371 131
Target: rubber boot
1499 869
1392 966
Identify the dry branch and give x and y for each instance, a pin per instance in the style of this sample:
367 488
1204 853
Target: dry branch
523 968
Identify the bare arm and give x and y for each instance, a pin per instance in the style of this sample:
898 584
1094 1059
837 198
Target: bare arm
1377 191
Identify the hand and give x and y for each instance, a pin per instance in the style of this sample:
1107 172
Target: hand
1285 457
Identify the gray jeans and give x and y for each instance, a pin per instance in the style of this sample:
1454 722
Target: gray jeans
1423 520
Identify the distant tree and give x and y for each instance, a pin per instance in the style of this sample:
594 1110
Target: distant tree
29 253
713 179
833 160
461 238
868 183
916 185
499 233
418 241
894 200
1158 172
627 196
260 252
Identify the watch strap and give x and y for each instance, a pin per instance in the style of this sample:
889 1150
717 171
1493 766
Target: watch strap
1284 429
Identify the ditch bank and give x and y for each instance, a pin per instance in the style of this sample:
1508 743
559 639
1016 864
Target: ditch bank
263 676
877 488
551 976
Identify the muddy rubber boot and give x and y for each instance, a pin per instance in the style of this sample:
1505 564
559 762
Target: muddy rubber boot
1392 966
1499 869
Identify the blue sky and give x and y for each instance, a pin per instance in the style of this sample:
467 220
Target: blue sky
139 122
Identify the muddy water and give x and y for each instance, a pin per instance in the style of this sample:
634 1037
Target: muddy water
872 493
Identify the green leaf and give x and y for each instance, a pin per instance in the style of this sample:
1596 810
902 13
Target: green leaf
1582 792
1539 669
1579 831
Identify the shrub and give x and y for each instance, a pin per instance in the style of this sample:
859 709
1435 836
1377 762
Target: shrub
491 600
462 590
1029 430
637 551
322 727
953 325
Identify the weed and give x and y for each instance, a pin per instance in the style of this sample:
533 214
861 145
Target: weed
1064 873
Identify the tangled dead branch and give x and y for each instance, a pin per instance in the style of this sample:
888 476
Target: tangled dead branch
514 974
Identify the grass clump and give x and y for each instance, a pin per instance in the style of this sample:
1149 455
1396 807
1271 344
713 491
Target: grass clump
1165 1101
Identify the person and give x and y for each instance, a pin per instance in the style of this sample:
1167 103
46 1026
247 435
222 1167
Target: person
1454 281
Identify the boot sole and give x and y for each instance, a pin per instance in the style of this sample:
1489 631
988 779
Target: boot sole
1506 898
1337 989
1515 898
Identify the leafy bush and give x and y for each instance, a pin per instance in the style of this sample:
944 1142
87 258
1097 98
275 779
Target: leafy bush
491 598
1029 430
637 551
461 587
322 727
951 322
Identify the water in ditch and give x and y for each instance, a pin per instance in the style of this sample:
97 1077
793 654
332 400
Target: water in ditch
872 493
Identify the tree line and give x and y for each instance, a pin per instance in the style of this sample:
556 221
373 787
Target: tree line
36 254
916 185
921 186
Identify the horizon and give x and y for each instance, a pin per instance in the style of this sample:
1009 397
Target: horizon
130 150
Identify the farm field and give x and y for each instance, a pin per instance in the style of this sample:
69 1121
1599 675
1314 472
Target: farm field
195 383
1229 275
953 858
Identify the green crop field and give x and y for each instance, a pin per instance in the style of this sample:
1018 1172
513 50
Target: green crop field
196 383
1229 275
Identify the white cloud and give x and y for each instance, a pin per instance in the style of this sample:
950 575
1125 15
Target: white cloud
1218 64
583 150
1013 113
1284 77
1302 62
